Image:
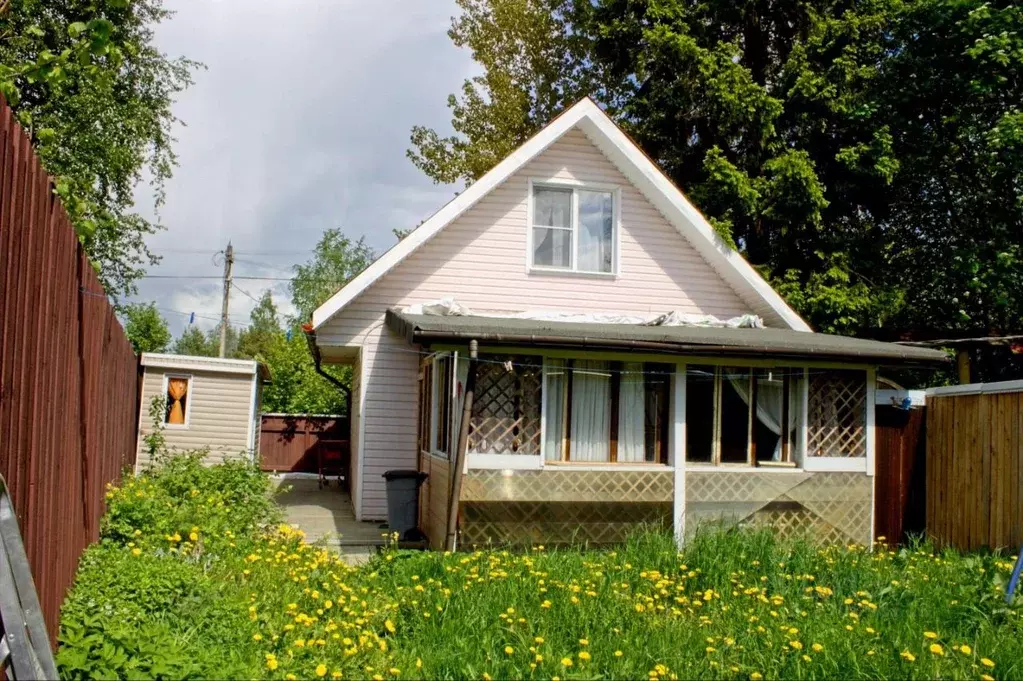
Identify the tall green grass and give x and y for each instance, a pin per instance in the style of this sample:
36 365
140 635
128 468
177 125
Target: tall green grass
256 601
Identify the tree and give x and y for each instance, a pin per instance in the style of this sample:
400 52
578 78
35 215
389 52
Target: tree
146 329
193 341
93 91
866 156
263 331
336 261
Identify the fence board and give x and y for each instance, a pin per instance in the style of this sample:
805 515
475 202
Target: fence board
975 470
68 376
289 443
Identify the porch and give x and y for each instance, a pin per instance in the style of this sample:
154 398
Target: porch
326 515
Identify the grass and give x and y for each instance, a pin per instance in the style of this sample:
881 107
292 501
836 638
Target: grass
261 603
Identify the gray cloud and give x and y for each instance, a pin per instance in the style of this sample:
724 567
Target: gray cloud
299 124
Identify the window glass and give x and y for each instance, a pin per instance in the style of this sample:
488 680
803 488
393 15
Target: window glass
442 405
596 222
735 415
657 392
772 385
552 247
837 422
590 428
177 400
555 383
552 207
506 406
700 400
552 227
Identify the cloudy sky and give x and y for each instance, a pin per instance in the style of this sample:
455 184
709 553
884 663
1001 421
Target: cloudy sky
299 123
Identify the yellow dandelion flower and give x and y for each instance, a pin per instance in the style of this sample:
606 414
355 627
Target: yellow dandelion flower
807 658
194 536
394 671
906 655
618 653
291 677
389 626
508 650
584 642
930 634
756 676
936 649
321 669
987 662
136 552
419 663
796 645
257 637
335 675
584 656
965 649
271 663
538 640
566 662
486 676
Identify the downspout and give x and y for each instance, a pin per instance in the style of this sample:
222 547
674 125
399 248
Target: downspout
460 451
310 336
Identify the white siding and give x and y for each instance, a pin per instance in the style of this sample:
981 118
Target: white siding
218 414
480 259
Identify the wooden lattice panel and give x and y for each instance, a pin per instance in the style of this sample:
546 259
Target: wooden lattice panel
837 405
506 406
502 522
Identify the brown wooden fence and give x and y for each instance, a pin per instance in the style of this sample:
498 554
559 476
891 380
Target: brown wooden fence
899 483
975 466
291 443
68 376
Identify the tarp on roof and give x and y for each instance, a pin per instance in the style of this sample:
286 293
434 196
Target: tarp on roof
679 340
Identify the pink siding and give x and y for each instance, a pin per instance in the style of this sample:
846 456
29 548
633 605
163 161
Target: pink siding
480 259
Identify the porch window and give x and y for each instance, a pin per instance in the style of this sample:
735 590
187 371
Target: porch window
506 406
177 396
440 401
743 416
837 405
573 229
606 412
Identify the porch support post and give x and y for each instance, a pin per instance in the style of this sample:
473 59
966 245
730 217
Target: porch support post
458 465
677 451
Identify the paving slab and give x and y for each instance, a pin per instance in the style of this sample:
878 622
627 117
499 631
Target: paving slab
326 515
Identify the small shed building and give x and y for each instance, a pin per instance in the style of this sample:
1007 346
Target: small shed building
208 402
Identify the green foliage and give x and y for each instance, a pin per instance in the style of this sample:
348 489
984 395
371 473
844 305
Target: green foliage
194 341
155 441
866 155
336 260
145 327
88 83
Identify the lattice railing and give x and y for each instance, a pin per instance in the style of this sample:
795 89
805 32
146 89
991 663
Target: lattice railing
837 418
506 406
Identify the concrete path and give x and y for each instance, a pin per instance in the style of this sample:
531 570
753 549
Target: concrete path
326 515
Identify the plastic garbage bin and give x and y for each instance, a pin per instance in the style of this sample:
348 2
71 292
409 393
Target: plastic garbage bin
403 500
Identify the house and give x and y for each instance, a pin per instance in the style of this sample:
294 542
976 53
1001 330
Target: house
631 368
206 402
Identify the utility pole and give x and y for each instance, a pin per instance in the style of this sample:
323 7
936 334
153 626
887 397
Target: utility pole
228 264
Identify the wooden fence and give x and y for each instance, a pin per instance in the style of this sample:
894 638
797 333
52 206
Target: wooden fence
975 466
899 484
291 443
68 376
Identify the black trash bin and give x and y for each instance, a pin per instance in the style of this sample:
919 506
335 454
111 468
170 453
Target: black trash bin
403 501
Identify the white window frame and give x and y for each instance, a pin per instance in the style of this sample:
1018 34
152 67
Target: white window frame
845 464
188 402
436 390
575 187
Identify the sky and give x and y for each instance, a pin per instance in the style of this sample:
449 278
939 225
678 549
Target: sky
298 123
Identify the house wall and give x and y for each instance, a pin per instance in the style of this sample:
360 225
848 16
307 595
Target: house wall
480 259
355 415
218 414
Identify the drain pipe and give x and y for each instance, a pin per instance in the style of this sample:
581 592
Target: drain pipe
460 452
310 337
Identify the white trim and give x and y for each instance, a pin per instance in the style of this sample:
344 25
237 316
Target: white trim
192 363
677 452
870 409
634 164
252 421
188 401
835 464
977 388
515 462
704 467
606 466
893 398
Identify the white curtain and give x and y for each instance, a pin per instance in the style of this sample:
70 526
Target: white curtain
770 405
555 377
591 407
631 414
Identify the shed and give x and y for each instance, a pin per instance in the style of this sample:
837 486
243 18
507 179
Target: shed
209 402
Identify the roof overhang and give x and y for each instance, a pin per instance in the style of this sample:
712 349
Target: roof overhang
672 340
219 365
640 170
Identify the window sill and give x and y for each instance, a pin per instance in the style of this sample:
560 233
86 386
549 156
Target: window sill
521 462
741 468
557 271
175 426
606 466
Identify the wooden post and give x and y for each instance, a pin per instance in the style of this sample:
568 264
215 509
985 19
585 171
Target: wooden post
963 365
786 434
460 452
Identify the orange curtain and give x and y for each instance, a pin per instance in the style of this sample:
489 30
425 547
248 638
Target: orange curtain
177 388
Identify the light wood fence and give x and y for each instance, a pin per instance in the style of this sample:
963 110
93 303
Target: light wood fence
975 466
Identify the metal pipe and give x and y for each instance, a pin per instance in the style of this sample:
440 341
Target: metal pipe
463 445
310 336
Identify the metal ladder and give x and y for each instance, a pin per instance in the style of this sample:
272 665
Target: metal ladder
25 646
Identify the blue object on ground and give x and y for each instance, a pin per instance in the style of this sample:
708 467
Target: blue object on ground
1014 580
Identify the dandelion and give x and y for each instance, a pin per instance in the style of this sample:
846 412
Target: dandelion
321 669
987 662
538 640
986 677
389 626
136 552
257 637
335 675
584 642
618 653
965 649
566 662
930 634
807 658
584 656
394 671
908 656
756 676
817 647
271 663
796 645
419 663
508 650
936 649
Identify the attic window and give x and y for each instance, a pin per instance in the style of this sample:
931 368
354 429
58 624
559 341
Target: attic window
573 229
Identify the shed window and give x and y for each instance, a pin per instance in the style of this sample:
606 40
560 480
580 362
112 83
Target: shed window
573 229
178 388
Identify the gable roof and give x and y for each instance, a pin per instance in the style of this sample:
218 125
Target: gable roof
637 167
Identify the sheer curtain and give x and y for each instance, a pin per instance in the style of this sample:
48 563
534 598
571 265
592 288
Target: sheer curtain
591 411
770 405
555 375
631 414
